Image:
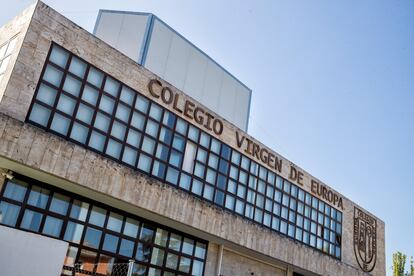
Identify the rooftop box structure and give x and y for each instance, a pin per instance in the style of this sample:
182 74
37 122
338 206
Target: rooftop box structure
152 43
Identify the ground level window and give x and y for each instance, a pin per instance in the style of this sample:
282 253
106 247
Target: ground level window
102 240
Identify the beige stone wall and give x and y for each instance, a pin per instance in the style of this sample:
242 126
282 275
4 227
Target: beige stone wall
41 151
236 264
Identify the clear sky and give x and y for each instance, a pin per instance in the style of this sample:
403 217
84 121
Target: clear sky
332 81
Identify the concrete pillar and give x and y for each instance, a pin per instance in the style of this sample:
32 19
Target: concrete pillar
219 259
2 177
289 271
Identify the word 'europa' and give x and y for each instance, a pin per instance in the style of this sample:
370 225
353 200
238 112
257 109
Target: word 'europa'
188 109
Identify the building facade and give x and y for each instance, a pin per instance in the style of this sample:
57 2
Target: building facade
106 157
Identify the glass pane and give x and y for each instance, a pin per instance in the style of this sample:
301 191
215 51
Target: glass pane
162 152
176 158
147 233
185 264
181 126
129 156
15 190
97 216
208 192
114 148
157 257
148 145
79 133
102 122
172 176
59 204
197 187
172 261
72 86
110 243
92 237
73 232
197 268
155 112
169 119
52 226
59 56
95 77
60 124
71 256
118 130
77 67
84 113
90 95
161 237
105 265
97 141
139 270
158 169
143 252
87 259
31 220
40 115
8 213
107 104
175 242
38 197
131 227
165 135
188 246
66 104
79 210
46 94
152 128
138 120
142 104
115 222
133 138
189 156
178 142
123 112
53 75
193 133
200 250
111 86
127 248
185 181
127 95
144 163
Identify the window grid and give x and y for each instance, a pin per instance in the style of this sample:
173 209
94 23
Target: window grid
66 217
258 194
6 49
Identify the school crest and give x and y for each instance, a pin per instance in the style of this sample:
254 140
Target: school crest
365 240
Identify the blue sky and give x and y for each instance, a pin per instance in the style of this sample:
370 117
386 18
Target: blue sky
332 81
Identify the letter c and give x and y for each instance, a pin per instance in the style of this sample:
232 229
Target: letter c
151 87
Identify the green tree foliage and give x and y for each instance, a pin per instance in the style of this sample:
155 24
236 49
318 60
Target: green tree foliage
398 263
411 272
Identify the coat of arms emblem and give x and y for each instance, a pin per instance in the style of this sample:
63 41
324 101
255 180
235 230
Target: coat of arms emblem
365 240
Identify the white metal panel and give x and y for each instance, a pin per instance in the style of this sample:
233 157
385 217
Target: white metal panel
241 112
212 86
131 35
158 49
177 62
196 70
227 102
108 27
23 253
